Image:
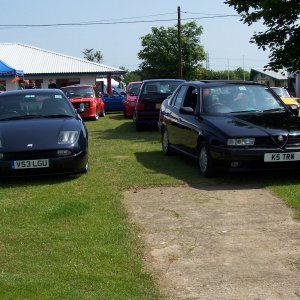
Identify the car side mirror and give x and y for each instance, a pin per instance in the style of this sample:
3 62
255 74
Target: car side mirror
186 110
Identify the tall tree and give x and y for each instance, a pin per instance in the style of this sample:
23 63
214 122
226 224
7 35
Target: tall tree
283 34
160 51
91 55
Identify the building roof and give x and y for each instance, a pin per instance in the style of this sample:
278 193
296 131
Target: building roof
34 61
281 75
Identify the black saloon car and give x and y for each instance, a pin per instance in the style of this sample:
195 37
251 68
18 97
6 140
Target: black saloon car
151 95
41 133
234 125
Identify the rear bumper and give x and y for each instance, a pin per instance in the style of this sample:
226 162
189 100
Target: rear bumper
147 117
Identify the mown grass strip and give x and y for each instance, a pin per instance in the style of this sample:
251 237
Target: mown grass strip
70 238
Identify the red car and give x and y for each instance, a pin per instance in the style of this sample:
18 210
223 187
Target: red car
87 97
132 92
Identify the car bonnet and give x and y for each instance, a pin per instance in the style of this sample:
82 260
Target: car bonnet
34 134
255 124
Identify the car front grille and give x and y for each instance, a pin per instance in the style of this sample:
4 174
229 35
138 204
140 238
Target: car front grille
267 142
30 155
77 104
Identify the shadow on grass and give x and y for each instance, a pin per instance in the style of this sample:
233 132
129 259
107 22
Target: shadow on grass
186 170
126 131
36 180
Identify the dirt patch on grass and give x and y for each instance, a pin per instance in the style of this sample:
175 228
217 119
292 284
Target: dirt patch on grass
218 242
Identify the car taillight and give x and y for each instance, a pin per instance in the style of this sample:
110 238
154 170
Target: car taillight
140 105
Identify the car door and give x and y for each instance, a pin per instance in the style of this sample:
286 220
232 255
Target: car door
173 116
187 130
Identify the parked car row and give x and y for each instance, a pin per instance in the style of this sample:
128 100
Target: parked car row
230 125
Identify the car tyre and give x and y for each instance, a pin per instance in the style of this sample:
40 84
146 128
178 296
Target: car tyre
103 113
96 116
165 142
205 162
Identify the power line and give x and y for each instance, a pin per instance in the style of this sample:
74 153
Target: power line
12 26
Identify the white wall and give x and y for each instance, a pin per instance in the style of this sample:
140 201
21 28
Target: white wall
11 85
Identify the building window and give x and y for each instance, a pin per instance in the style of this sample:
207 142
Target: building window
67 81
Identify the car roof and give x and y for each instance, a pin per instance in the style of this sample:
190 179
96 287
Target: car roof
78 86
162 79
207 83
33 92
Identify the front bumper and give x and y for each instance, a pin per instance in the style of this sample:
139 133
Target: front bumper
251 158
57 165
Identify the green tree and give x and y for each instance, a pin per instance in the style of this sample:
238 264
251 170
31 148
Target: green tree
283 34
91 55
237 74
160 51
132 76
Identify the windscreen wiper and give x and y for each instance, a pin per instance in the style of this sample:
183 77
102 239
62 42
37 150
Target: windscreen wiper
22 117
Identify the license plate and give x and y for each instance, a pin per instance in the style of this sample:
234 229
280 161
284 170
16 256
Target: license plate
30 164
157 105
279 157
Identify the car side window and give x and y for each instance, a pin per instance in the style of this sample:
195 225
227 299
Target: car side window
179 97
191 97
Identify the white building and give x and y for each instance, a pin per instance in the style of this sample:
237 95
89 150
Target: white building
43 66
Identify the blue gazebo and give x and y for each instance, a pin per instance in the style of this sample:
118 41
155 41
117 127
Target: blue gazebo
7 71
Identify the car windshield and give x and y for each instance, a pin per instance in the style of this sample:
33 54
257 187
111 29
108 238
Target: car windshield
160 87
233 98
16 106
79 92
281 92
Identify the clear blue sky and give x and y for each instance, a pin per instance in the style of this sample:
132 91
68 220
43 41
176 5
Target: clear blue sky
225 39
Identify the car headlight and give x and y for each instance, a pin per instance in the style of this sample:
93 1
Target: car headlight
68 137
241 142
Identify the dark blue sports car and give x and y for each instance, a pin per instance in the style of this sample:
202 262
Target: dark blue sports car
41 133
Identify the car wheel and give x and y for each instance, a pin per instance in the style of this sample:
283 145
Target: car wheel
103 113
205 162
165 142
134 118
96 116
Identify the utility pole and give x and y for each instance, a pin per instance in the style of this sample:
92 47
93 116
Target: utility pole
207 61
179 44
228 76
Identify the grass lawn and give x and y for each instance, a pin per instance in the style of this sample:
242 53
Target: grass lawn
69 237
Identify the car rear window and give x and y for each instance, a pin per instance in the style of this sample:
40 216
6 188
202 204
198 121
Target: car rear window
160 87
